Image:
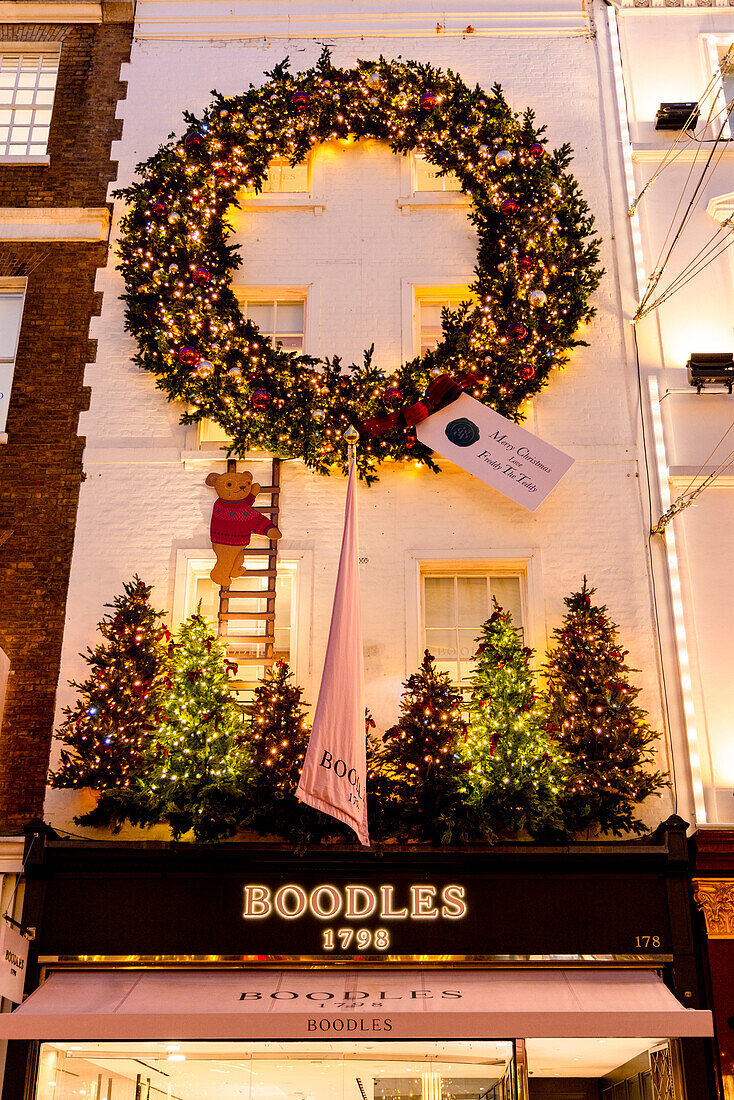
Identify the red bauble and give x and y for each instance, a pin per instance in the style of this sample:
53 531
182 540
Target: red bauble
300 100
226 175
392 397
536 149
194 140
260 399
526 263
509 207
516 331
428 101
410 440
159 208
526 372
201 276
189 357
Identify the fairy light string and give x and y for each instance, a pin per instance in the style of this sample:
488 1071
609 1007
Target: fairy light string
537 259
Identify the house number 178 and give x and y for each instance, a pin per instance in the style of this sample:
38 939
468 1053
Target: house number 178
647 941
359 938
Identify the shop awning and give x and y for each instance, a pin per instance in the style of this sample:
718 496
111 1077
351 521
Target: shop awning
433 1004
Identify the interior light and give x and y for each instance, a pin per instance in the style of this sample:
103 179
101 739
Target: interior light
176 1058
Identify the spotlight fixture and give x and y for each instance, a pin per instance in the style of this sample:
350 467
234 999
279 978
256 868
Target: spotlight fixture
676 116
707 368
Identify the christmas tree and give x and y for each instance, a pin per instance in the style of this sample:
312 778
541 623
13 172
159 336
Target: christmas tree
515 765
277 732
107 730
418 773
199 773
591 710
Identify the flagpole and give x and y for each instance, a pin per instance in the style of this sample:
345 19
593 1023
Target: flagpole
334 774
351 436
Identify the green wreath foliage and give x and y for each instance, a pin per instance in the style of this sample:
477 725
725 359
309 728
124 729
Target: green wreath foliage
536 262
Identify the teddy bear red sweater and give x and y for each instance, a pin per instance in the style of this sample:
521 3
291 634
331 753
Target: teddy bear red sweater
233 521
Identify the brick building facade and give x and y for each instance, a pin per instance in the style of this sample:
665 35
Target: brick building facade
53 230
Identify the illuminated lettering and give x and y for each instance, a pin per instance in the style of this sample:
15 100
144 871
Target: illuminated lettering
293 909
423 902
257 902
317 907
389 912
361 902
355 902
454 902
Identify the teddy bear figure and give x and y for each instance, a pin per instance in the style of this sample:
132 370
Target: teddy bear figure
234 520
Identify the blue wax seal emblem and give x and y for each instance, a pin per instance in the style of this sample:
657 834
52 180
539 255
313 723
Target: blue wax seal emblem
462 432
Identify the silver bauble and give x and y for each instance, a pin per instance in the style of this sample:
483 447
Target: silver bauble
373 101
205 369
235 373
318 414
537 298
374 82
503 158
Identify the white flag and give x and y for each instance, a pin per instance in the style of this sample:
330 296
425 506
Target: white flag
334 773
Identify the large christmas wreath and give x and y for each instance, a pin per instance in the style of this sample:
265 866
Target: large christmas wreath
536 262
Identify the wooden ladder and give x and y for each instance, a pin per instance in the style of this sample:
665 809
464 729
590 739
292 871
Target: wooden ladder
256 650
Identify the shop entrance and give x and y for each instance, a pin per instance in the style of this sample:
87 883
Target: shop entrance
374 1069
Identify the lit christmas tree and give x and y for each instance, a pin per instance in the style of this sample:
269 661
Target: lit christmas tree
277 733
418 772
515 765
199 773
591 710
109 727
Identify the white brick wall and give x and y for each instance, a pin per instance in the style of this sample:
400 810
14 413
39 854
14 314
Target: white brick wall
139 505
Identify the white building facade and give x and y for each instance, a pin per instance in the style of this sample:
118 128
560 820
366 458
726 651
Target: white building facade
365 248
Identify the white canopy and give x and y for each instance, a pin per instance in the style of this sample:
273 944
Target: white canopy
88 1005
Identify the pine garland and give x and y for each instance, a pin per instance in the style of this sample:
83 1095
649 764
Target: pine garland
536 260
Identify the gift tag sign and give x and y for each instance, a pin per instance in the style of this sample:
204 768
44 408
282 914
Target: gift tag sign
13 959
496 450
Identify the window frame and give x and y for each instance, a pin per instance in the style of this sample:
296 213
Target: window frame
17 287
245 294
522 562
713 45
442 190
193 565
413 292
281 162
39 49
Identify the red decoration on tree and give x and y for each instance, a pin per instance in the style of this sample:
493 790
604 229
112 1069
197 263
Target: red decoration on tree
516 331
509 207
526 372
188 357
536 149
393 396
301 100
194 140
428 101
201 276
159 208
526 263
260 399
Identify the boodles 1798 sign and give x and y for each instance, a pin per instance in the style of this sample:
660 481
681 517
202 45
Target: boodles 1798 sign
365 914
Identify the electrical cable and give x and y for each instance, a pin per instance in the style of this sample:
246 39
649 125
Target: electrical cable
662 262
671 155
656 613
695 268
9 907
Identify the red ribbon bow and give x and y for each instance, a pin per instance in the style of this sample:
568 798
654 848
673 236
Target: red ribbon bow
441 392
